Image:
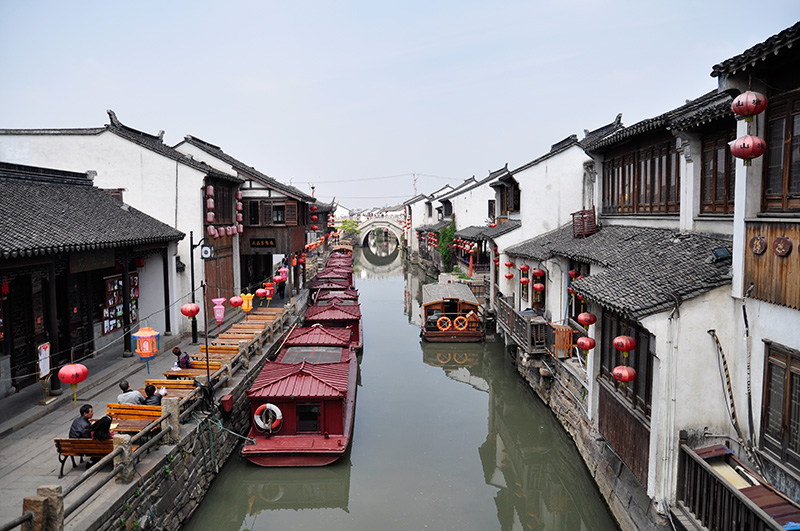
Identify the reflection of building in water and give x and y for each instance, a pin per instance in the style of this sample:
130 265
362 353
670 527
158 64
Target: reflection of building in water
534 466
413 296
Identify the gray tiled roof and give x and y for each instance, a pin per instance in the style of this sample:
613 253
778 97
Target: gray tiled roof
436 227
52 211
501 228
474 232
646 268
241 167
752 56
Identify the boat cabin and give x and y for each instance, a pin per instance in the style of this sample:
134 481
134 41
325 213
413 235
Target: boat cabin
338 315
450 313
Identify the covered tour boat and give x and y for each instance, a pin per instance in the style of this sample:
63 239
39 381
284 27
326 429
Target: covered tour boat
345 314
450 314
303 403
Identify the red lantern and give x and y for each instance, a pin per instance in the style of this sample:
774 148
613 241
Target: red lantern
524 267
239 206
277 279
624 373
210 191
573 273
210 217
524 281
313 208
748 147
748 104
624 343
585 343
261 292
495 250
538 286
587 318
238 195
239 217
314 227
210 204
509 264
240 229
236 301
73 374
314 218
509 276
492 225
190 309
269 289
571 291
538 273
497 260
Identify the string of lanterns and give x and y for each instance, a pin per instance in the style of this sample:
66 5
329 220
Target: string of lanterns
229 230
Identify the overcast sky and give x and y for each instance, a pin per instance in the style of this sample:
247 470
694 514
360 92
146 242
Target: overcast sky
358 97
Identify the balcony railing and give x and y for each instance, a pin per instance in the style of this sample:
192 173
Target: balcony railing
714 502
529 331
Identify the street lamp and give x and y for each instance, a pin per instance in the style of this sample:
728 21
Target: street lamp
192 247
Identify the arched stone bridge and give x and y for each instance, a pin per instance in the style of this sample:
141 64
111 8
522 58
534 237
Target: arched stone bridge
380 223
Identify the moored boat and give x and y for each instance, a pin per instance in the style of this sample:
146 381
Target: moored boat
450 314
303 403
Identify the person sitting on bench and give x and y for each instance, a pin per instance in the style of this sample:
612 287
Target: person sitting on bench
153 398
128 395
82 427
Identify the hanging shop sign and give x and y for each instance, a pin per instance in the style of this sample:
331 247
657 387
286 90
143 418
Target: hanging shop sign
262 242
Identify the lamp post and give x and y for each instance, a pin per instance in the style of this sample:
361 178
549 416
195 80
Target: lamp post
192 247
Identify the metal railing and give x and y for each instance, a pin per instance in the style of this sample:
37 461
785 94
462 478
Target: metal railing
713 501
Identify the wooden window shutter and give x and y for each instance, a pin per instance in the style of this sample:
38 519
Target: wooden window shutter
266 213
291 212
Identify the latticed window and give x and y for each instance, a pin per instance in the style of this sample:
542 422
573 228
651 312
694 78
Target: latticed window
717 178
781 416
782 167
643 182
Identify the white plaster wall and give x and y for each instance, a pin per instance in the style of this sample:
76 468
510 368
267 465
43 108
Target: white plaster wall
471 208
151 295
550 192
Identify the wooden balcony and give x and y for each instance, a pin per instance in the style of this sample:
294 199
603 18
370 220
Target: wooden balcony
717 492
528 331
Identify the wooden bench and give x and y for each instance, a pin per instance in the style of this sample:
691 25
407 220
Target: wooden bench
213 366
130 411
230 350
171 384
73 448
262 330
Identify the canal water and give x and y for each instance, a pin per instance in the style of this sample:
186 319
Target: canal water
446 436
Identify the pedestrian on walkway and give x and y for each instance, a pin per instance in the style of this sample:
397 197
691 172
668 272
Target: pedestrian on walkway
128 395
82 426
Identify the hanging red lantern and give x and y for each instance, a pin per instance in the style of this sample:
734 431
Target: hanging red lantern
277 279
238 195
314 218
538 286
509 276
210 217
573 273
748 147
497 260
314 227
624 343
537 273
495 250
261 292
524 281
585 343
748 104
509 264
239 217
313 208
492 225
587 318
240 229
210 204
524 267
73 374
623 373
210 191
239 206
570 291
236 301
190 309
269 290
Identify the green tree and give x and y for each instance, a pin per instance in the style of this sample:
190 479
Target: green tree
446 246
349 228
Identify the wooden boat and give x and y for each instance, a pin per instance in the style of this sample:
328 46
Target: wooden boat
450 314
303 403
344 314
342 249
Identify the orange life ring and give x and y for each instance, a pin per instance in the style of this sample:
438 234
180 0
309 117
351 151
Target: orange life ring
443 323
268 417
460 357
443 357
460 323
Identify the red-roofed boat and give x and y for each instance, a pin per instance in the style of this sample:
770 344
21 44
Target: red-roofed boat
339 314
303 404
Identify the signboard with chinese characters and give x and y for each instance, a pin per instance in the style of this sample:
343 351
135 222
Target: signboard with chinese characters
44 360
262 242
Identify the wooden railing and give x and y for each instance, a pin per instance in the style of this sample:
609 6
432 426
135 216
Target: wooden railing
527 331
713 501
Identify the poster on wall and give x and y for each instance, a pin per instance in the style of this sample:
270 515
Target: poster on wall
44 360
112 312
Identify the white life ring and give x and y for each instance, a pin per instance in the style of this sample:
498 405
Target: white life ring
268 417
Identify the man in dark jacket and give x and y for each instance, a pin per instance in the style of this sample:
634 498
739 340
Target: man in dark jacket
82 427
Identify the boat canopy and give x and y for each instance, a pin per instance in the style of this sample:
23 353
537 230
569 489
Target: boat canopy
432 293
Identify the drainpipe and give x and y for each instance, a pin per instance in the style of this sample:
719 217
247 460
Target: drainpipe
668 469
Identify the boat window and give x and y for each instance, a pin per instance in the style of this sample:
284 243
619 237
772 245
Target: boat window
308 418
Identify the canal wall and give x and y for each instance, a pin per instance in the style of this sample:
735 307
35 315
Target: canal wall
562 386
170 484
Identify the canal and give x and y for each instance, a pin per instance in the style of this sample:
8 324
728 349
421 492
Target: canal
445 437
